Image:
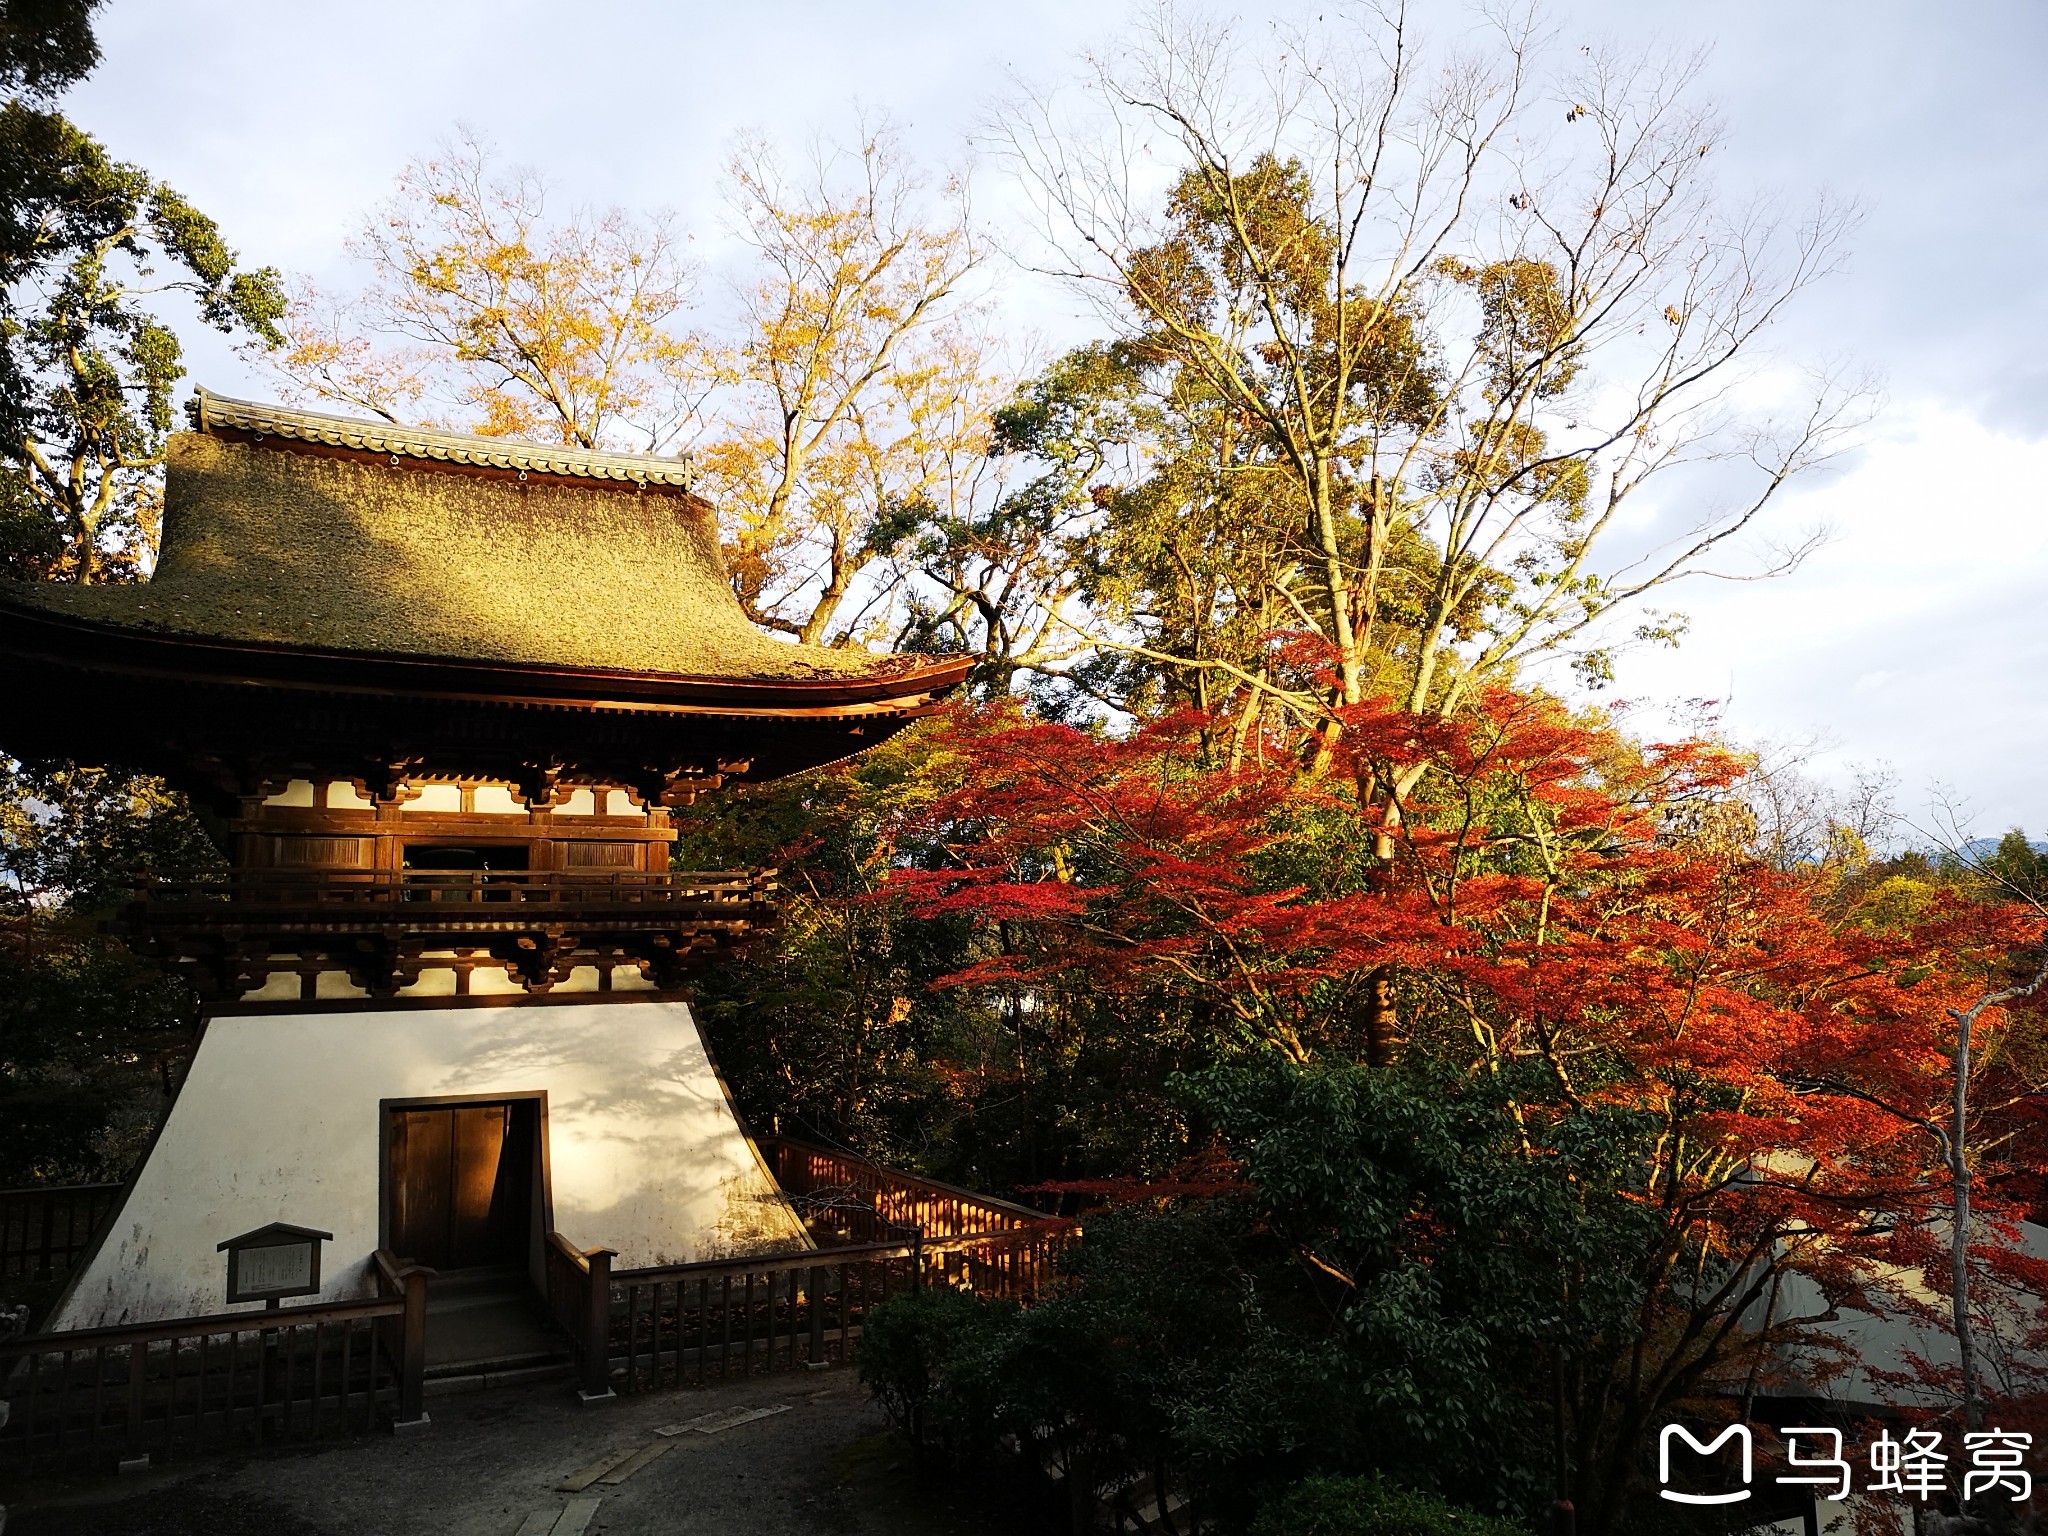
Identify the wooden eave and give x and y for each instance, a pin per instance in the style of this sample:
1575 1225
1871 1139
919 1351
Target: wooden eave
222 718
44 637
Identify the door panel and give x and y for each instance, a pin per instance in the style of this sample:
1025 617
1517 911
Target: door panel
458 1183
479 1139
422 1157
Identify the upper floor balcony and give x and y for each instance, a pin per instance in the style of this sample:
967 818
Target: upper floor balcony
230 930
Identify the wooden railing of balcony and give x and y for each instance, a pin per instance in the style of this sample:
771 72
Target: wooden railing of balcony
296 1372
252 892
161 1390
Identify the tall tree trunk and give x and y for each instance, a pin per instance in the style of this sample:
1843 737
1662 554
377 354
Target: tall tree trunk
1382 1024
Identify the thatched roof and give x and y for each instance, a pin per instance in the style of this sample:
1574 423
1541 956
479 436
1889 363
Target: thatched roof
299 529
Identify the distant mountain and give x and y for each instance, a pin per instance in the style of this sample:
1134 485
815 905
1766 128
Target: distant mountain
1984 847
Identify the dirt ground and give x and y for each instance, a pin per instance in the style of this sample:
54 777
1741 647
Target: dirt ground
491 1465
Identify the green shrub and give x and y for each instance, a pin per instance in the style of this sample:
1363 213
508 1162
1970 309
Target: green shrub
920 1355
1370 1506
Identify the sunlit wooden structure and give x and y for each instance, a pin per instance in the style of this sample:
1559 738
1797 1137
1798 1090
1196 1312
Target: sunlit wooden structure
437 696
439 693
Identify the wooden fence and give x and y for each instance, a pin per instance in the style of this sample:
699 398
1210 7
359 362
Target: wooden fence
163 1389
698 1323
886 1233
45 1231
160 1390
850 1199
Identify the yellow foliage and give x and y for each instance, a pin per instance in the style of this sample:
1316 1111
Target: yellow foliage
511 322
857 384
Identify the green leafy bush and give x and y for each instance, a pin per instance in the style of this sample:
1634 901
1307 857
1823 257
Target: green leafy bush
921 1354
1370 1506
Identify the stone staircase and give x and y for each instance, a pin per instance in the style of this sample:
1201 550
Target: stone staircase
487 1328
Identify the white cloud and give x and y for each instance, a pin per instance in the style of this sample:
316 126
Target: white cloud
1917 637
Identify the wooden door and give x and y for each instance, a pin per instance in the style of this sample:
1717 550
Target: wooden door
457 1185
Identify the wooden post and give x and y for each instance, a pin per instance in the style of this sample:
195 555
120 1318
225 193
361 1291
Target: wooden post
597 1327
138 1366
412 1367
816 1358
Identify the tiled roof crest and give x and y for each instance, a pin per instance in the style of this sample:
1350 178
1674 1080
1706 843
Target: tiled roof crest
208 411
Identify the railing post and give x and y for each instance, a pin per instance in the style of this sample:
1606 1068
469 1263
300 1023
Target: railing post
597 1327
138 1367
412 1365
816 1358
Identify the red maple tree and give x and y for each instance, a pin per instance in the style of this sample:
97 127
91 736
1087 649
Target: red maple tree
1554 895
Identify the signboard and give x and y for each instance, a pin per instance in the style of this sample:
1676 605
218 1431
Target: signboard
274 1262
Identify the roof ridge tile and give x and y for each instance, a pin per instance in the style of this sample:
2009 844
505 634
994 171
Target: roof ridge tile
209 412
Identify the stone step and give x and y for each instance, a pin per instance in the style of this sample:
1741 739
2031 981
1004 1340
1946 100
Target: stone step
451 1384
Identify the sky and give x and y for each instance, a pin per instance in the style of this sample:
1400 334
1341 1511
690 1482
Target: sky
1912 641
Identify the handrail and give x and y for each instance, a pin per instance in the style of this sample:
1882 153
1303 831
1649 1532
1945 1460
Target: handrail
394 1271
352 885
585 1313
436 899
409 1280
689 879
852 1253
569 1251
800 1308
79 1340
1023 1214
166 1387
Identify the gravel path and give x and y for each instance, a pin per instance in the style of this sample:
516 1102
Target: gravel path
492 1464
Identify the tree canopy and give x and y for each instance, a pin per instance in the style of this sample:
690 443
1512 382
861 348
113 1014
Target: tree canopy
89 247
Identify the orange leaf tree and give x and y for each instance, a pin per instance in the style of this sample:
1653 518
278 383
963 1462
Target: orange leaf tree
1746 1087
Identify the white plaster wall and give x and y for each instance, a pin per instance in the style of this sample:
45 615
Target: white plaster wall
278 1120
1886 1343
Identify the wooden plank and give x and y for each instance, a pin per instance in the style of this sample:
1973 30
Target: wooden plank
752 1319
539 1522
814 1350
581 1479
632 1338
721 1419
931 1245
676 1331
575 1520
636 1461
703 1328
